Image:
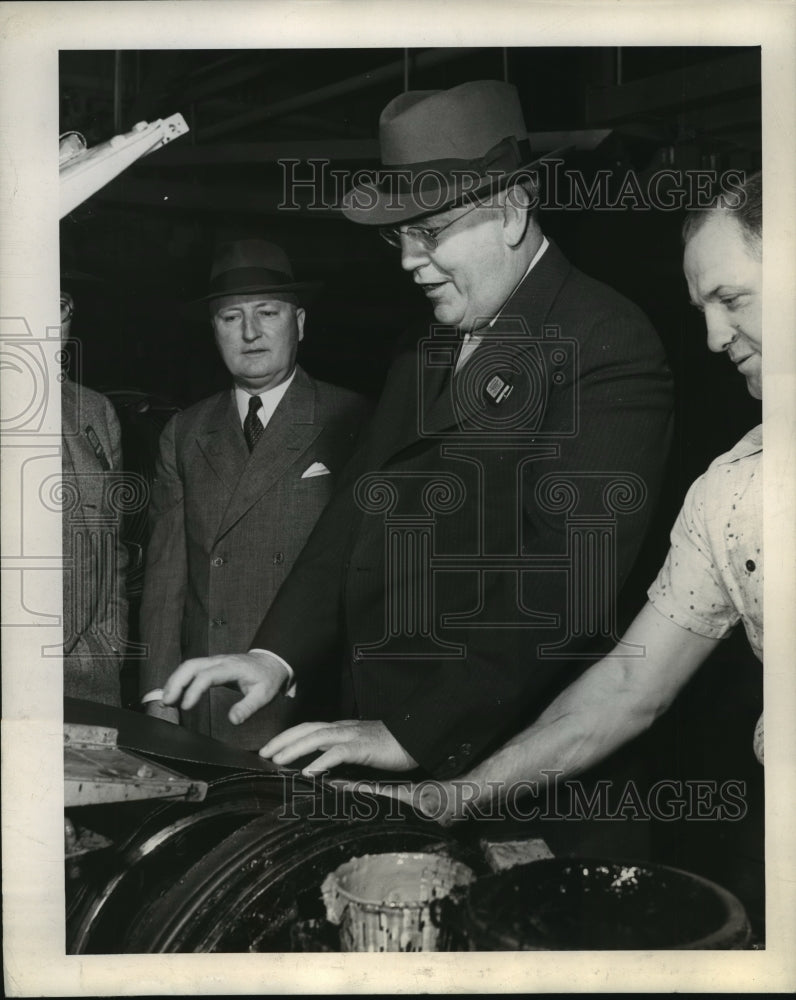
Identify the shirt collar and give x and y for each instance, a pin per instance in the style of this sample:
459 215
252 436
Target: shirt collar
534 261
270 399
750 444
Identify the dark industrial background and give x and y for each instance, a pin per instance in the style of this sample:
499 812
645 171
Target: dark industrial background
138 253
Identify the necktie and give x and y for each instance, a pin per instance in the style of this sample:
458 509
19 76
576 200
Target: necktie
252 425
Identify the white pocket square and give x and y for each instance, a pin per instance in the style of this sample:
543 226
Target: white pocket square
316 469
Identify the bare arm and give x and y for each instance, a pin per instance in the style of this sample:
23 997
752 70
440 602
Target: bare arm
611 703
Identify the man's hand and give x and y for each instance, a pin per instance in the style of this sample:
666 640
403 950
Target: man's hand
157 710
347 742
446 802
259 676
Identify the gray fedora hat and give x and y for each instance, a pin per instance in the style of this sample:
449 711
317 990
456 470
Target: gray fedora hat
244 267
439 147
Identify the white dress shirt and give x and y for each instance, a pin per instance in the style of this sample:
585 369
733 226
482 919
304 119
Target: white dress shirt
471 340
270 399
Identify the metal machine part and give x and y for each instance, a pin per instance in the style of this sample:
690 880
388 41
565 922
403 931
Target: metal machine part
83 171
260 888
239 871
97 770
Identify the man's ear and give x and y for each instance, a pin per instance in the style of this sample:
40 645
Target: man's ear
300 315
516 214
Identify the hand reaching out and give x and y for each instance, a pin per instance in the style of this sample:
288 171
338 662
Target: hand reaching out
369 743
259 676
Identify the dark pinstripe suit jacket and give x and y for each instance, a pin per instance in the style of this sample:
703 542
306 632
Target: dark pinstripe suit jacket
453 687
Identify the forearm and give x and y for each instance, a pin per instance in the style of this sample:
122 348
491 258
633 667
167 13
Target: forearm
612 703
581 727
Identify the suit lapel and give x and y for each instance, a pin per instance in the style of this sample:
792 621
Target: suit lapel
222 444
417 395
290 431
446 404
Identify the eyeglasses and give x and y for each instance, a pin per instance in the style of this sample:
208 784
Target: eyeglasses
427 238
67 308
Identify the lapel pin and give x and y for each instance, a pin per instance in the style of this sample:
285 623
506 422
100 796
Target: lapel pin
96 444
498 390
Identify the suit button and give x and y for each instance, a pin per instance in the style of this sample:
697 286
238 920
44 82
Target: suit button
452 761
218 622
218 561
279 558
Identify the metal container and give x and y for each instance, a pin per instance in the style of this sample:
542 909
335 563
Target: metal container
587 904
389 902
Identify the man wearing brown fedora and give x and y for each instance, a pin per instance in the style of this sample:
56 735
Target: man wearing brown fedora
471 560
240 482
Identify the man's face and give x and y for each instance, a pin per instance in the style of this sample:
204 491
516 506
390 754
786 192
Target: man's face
725 280
467 278
67 308
258 336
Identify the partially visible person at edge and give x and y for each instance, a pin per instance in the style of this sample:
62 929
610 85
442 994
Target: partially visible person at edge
712 578
441 698
95 596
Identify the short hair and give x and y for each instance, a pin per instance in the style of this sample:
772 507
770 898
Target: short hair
747 210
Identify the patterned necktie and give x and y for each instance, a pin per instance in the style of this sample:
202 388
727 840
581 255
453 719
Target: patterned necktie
252 425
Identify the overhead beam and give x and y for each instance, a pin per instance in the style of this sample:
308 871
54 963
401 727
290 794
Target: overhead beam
176 195
237 153
336 150
362 81
674 89
720 117
229 78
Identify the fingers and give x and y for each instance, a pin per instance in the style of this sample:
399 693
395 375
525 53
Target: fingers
307 738
340 753
183 676
255 698
349 742
157 710
428 797
258 677
219 670
286 738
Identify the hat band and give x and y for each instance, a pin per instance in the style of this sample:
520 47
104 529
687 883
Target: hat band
504 157
259 278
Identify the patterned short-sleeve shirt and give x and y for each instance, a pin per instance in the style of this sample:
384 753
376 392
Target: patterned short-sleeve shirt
713 574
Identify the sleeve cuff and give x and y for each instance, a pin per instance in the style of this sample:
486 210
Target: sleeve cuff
290 690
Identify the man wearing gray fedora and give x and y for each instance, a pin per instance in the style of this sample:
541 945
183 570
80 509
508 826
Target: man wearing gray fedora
470 561
240 482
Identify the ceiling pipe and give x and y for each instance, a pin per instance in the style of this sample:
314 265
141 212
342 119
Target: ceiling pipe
390 71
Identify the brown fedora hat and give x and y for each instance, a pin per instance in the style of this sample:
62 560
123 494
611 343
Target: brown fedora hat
245 267
440 146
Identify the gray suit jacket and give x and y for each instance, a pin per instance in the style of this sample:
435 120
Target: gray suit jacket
226 528
95 560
